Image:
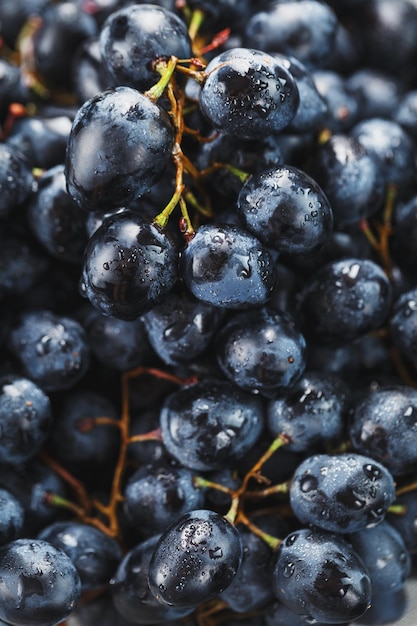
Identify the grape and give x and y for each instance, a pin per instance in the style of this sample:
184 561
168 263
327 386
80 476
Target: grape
247 92
195 559
129 266
341 493
125 139
228 267
207 283
40 585
319 575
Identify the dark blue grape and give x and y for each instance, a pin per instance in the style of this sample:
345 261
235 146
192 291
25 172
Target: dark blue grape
387 607
130 591
129 266
211 424
119 146
383 425
341 493
286 210
42 138
385 556
406 522
406 113
156 495
25 419
228 267
377 92
16 180
342 106
247 93
181 328
305 29
22 264
394 148
250 589
312 109
95 555
117 344
346 299
195 559
262 350
56 220
134 37
63 28
312 412
11 517
52 349
40 585
318 575
351 178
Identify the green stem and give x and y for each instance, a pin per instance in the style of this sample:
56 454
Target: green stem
165 69
163 217
397 509
202 483
53 499
197 19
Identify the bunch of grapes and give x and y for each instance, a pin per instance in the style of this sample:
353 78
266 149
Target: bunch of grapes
208 280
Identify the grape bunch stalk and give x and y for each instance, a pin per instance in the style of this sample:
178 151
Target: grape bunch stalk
208 337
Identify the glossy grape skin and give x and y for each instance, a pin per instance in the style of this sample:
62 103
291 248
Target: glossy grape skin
119 146
129 266
383 425
385 556
228 267
261 350
181 328
211 424
94 554
278 614
55 219
312 412
342 106
11 517
52 349
40 585
319 575
342 493
351 178
346 299
130 591
156 495
16 180
247 93
394 148
25 419
195 559
134 37
286 209
304 29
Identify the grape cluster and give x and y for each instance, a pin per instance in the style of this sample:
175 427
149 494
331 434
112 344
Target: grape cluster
208 330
